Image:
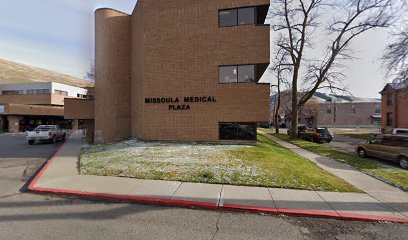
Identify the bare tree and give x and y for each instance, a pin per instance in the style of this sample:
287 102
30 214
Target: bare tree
297 20
90 74
396 56
282 68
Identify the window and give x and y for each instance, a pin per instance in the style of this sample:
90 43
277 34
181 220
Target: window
376 140
37 91
81 96
59 92
246 16
389 119
261 14
13 92
246 73
389 100
329 111
243 16
377 110
241 73
353 111
237 131
228 74
228 18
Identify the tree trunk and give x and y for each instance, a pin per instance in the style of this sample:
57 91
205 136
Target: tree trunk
277 108
294 123
276 120
295 113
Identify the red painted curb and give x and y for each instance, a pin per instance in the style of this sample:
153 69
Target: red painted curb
363 217
302 212
206 205
249 208
191 204
36 178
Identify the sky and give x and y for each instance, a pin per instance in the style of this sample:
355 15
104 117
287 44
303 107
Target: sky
59 35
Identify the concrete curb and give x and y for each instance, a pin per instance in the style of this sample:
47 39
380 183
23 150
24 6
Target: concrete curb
202 205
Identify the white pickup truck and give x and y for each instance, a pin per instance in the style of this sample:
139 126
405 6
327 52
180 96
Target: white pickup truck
48 133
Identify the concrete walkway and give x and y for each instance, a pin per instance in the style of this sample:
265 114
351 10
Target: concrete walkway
389 195
61 176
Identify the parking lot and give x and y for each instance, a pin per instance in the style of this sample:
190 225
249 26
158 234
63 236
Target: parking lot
19 161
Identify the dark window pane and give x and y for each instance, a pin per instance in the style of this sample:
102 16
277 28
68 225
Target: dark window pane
260 70
238 131
246 73
228 18
228 74
246 131
261 13
246 16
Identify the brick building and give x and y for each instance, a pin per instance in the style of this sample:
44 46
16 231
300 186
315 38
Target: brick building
23 106
395 106
180 70
324 110
349 112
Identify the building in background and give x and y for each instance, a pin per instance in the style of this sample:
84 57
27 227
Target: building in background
24 106
395 106
179 70
349 112
335 111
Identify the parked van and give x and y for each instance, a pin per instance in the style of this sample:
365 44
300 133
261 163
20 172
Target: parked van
389 147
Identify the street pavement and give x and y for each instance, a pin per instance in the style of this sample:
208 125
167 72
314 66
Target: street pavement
29 216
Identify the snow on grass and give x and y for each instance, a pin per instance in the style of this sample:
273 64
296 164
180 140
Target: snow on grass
264 164
169 161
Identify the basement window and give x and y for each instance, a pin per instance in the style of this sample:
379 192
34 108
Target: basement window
237 131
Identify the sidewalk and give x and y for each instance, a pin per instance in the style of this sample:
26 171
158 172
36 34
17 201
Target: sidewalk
382 192
60 176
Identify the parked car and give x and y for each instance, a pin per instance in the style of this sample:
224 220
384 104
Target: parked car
301 128
264 125
45 133
388 147
317 135
400 131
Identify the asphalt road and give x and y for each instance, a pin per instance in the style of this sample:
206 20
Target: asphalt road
29 216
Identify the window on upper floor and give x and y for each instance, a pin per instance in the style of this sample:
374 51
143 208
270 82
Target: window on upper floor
250 73
59 92
243 16
13 92
37 91
389 99
378 110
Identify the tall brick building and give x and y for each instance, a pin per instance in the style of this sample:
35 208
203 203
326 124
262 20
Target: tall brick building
181 70
395 106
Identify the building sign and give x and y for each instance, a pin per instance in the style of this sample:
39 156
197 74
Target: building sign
2 110
180 104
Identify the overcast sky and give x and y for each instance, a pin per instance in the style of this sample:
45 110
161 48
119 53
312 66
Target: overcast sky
59 35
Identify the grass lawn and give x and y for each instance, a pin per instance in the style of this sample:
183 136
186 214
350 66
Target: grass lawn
265 164
377 168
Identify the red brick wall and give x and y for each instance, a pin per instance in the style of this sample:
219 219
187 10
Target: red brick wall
176 48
